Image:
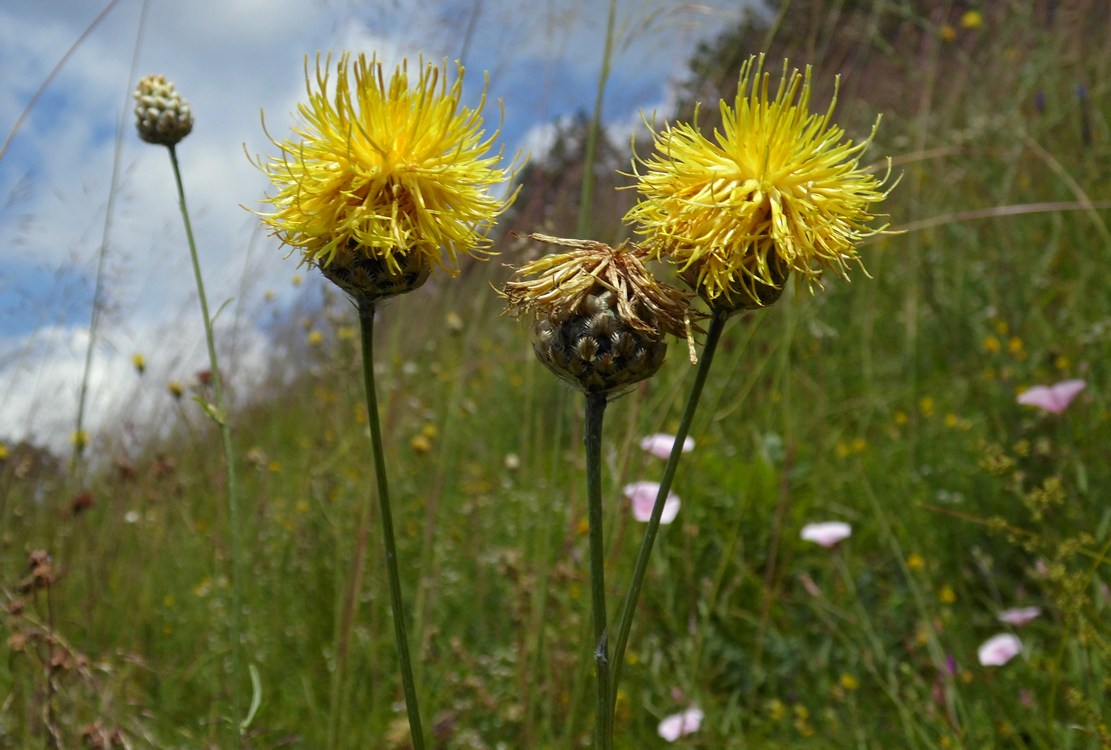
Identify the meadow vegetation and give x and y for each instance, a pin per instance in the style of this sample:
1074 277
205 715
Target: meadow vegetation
889 403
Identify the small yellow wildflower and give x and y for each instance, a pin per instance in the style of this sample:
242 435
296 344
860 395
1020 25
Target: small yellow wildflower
779 189
947 33
915 561
991 344
420 443
1016 348
848 682
3 451
947 595
79 439
776 709
1061 362
952 420
926 406
972 19
315 338
385 177
901 417
140 363
296 279
176 388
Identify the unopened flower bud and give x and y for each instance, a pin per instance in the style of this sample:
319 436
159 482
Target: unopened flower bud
161 115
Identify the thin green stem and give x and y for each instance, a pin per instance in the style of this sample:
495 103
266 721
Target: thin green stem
109 212
586 200
628 607
219 414
366 324
595 411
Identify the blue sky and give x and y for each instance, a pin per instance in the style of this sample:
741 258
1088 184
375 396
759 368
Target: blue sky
232 59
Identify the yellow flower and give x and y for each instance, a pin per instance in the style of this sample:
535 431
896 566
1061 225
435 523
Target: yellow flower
80 439
384 178
778 189
315 338
947 33
972 19
140 363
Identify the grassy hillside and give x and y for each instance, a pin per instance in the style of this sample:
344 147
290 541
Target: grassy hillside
888 402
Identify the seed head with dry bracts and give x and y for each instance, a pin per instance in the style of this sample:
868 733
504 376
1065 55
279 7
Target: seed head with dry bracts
600 316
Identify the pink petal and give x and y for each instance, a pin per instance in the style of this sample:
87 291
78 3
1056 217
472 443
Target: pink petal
1019 616
1053 398
999 649
680 725
643 497
826 534
660 445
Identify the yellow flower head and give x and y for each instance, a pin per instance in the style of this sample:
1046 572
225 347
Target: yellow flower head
384 178
778 189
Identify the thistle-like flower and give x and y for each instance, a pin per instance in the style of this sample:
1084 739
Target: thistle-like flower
161 115
384 179
601 317
777 190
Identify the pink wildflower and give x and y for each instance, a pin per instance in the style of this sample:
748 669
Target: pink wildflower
826 534
999 649
643 497
1053 398
659 445
680 725
1019 616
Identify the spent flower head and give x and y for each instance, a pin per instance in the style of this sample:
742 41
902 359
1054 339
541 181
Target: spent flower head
601 317
778 189
161 115
384 177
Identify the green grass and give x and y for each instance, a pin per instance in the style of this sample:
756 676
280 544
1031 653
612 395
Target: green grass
888 402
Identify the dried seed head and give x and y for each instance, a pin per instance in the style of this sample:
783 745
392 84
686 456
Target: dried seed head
162 116
601 318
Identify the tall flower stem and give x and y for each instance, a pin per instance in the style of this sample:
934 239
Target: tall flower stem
366 325
219 415
586 199
625 623
595 411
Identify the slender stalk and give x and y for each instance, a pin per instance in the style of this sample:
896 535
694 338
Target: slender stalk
109 212
366 325
219 414
628 607
586 200
595 411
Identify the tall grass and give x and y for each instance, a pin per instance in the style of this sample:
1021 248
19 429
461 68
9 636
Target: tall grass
888 403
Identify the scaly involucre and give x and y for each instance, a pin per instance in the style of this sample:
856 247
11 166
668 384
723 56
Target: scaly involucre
778 189
385 169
